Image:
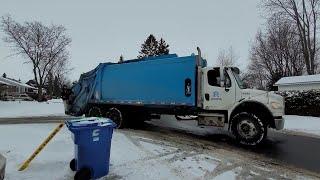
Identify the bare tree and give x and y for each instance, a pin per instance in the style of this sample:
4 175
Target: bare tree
276 53
45 47
227 58
61 71
255 79
304 14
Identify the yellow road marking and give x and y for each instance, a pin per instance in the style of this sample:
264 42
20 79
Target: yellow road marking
40 147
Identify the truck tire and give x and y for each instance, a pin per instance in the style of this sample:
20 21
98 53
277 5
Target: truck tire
94 112
248 129
116 116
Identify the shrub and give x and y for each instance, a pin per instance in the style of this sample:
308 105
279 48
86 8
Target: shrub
304 103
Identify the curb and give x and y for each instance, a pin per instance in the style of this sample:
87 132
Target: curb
2 166
40 119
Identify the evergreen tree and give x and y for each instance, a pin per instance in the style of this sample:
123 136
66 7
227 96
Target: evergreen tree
4 75
163 47
149 47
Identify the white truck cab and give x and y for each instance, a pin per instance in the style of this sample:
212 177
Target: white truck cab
246 112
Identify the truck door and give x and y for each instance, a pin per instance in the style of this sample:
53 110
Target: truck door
219 89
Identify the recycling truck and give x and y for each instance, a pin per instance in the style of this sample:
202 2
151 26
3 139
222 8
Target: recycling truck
134 91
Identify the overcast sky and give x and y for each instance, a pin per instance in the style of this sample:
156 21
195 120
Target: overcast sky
103 30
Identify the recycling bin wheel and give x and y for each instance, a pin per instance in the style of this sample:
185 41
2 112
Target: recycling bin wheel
73 164
83 174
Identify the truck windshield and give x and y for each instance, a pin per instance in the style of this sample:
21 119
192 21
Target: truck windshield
238 79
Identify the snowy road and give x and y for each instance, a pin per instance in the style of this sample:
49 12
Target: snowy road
138 154
166 148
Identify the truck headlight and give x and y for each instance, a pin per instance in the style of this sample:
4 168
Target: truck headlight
276 105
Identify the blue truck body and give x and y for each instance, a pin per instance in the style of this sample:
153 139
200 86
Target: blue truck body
163 81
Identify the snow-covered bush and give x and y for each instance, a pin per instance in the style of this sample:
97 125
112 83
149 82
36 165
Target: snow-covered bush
304 103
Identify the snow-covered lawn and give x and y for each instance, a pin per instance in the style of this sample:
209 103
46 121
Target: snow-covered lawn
12 109
134 155
306 124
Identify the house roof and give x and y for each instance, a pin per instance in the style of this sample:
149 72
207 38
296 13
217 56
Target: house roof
309 79
11 82
3 82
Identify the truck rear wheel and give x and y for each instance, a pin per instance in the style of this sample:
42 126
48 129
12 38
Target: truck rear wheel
248 129
116 116
94 112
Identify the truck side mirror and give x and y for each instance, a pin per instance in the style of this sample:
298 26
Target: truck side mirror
227 84
222 83
236 70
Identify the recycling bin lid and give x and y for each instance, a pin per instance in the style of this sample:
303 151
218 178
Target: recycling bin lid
90 122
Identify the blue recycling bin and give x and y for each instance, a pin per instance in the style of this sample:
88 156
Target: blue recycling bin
92 139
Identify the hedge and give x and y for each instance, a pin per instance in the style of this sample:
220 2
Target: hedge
304 103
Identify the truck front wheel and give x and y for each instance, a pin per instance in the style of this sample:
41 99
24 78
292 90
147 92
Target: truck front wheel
248 128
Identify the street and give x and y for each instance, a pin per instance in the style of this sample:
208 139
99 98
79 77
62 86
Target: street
290 149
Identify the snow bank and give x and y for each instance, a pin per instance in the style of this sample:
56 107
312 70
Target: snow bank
306 124
12 109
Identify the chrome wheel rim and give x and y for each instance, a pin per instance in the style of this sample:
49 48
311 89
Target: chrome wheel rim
247 129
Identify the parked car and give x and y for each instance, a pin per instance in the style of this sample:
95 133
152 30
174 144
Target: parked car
22 97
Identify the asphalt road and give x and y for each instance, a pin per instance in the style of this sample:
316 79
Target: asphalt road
297 151
289 149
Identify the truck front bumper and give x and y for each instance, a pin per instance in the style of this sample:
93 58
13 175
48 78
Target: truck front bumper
279 122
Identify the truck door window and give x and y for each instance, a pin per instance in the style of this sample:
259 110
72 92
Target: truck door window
214 77
228 80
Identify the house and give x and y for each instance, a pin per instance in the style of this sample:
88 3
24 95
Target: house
299 83
11 87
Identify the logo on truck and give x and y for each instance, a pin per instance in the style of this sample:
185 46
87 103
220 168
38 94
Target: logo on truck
216 95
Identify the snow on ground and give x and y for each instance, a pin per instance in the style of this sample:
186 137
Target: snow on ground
12 109
306 124
134 155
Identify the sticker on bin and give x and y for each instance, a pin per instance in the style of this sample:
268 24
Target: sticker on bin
95 135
